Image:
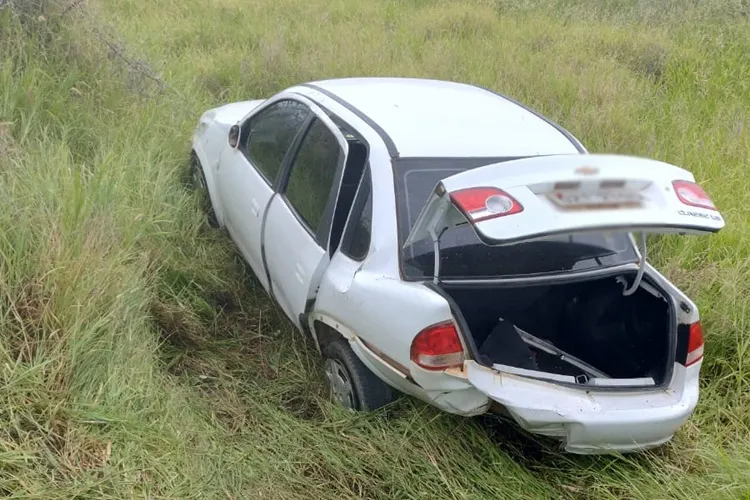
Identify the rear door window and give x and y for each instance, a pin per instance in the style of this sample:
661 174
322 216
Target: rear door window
312 177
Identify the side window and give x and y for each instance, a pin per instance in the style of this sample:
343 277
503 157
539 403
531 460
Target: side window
356 240
313 173
268 135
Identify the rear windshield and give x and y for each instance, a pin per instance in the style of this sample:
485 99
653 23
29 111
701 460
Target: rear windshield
463 255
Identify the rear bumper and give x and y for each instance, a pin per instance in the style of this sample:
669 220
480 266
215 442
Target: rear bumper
593 421
604 430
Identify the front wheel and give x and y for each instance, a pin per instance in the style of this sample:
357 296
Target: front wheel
198 182
351 383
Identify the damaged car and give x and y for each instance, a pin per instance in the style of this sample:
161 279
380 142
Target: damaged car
441 240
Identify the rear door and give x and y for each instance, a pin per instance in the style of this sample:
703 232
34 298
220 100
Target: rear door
534 198
298 225
249 173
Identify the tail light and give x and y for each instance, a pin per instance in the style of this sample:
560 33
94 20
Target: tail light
438 347
695 344
482 203
692 194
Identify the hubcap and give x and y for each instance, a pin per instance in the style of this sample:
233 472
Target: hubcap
342 390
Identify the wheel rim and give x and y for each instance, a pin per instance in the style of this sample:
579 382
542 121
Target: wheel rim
342 389
198 180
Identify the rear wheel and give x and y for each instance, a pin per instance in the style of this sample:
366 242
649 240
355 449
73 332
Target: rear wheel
198 182
351 383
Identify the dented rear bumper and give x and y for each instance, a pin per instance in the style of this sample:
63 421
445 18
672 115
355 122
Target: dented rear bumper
587 421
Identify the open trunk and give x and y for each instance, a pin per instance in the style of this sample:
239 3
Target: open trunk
594 332
580 333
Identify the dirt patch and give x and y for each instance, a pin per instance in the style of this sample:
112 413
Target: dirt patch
224 301
303 405
177 327
235 353
214 335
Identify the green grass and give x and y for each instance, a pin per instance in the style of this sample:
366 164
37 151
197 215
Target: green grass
138 359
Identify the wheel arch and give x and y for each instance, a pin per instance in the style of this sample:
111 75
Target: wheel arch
326 330
197 154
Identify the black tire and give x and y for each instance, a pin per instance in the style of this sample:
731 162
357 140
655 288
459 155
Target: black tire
198 182
368 391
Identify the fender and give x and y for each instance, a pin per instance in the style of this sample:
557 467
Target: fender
210 140
372 357
465 402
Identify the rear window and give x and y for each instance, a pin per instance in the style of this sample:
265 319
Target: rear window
463 255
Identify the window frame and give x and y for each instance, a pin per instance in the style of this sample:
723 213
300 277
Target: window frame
351 136
320 234
355 215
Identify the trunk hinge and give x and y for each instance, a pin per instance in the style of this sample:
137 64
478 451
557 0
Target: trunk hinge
436 251
436 241
641 269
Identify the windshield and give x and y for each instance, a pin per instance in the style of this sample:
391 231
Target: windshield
463 255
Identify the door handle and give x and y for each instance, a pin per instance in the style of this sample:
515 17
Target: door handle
255 207
299 273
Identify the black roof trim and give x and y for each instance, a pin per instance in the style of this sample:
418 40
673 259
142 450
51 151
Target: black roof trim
564 132
389 144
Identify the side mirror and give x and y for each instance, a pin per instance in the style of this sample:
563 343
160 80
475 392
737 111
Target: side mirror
234 136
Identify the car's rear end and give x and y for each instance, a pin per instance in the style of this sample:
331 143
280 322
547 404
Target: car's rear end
556 317
589 417
590 421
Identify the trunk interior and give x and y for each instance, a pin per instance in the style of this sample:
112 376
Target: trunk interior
585 333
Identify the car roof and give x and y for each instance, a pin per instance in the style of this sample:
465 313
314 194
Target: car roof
434 118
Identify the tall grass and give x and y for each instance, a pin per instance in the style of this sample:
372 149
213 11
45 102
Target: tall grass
139 359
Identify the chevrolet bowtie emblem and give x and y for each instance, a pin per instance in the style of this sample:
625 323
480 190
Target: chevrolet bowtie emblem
587 170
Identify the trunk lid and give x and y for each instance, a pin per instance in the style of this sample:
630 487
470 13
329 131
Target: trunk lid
532 198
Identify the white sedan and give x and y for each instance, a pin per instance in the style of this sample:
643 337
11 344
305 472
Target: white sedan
444 241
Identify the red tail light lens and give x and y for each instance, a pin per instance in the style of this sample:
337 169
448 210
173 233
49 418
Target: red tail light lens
438 347
695 344
482 203
692 194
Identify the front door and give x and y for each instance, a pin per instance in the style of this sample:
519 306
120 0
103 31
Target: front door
298 224
247 175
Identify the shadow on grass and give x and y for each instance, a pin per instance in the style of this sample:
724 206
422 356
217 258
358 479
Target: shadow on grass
234 338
